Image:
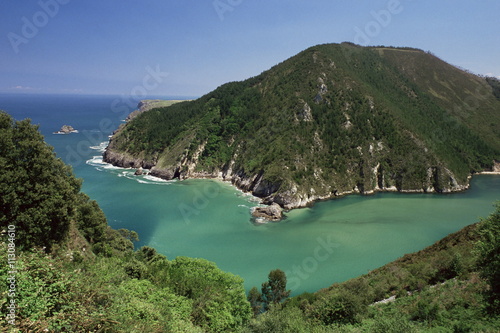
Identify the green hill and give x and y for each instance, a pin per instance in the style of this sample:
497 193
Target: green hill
332 120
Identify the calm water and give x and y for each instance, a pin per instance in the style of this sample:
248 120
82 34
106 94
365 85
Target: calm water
332 241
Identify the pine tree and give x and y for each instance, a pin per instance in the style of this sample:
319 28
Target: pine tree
274 290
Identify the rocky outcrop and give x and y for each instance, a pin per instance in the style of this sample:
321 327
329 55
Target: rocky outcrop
164 173
66 129
124 160
269 213
496 167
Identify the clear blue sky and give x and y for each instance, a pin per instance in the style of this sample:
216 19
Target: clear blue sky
108 47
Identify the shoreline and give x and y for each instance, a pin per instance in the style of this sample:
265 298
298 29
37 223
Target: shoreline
304 202
228 180
264 192
487 173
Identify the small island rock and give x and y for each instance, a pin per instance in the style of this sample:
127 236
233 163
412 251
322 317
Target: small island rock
66 129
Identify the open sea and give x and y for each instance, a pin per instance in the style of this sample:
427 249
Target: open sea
329 242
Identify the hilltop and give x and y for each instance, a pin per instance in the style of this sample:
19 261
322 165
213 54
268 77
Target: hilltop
332 120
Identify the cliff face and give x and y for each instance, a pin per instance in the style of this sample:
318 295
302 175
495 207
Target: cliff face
330 121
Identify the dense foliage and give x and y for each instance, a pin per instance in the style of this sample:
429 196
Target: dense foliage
37 191
331 119
489 257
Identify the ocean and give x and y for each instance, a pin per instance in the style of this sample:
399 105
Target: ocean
330 242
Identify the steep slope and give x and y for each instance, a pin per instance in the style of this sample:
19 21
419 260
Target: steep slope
332 120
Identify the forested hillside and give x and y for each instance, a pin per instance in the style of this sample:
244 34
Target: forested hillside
332 120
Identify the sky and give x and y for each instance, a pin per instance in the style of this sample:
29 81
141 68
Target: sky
188 48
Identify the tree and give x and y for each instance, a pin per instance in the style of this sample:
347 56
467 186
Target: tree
255 299
274 290
129 234
37 190
91 220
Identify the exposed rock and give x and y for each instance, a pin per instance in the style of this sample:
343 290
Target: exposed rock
125 161
305 114
66 129
270 213
496 166
139 172
163 174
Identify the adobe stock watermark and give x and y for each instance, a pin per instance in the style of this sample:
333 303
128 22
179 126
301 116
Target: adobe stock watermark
381 20
222 7
122 107
199 201
305 269
11 275
31 26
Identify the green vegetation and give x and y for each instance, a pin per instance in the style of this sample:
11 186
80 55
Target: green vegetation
331 119
489 257
273 292
37 191
495 85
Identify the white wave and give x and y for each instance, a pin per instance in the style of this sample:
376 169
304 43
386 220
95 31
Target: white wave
261 220
156 179
101 147
129 173
97 161
150 180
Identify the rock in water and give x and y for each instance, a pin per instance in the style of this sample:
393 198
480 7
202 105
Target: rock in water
66 129
139 172
270 213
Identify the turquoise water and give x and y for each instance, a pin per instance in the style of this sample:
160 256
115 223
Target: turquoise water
332 241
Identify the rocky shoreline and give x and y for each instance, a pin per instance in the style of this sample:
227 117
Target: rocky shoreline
261 188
